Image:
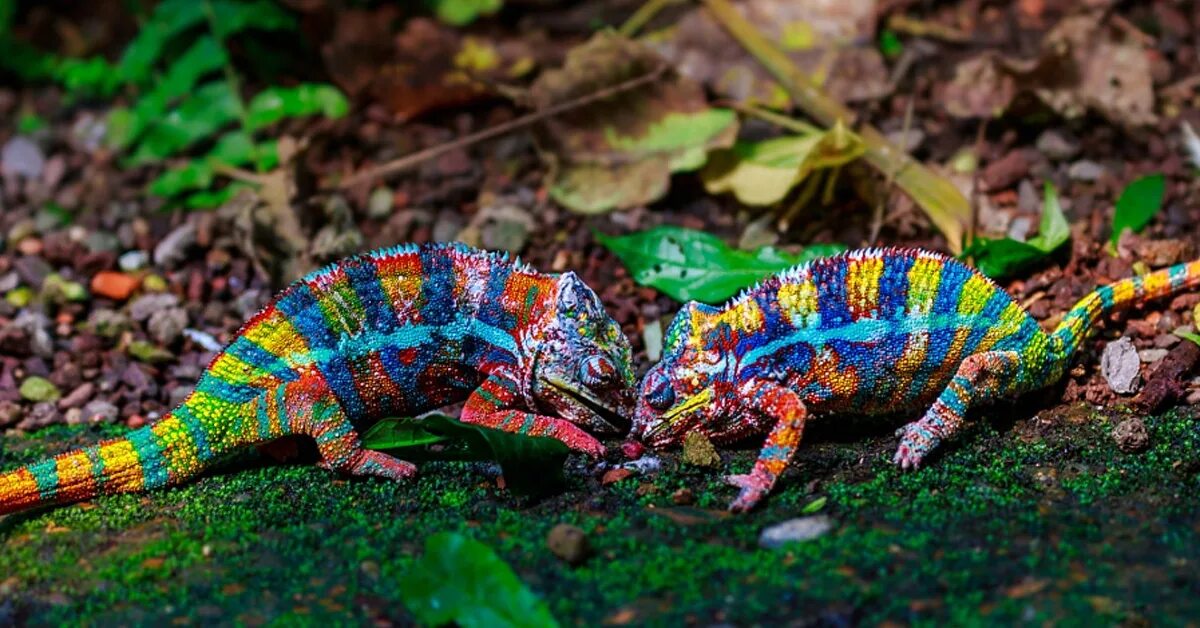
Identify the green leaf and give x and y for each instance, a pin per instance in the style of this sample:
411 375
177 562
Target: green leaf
998 258
216 198
814 506
202 58
460 580
276 103
531 465
463 12
199 117
95 76
889 44
170 18
235 16
688 264
195 174
1187 335
762 173
1137 205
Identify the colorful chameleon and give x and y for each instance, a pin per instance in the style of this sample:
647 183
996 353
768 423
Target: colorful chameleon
391 333
873 331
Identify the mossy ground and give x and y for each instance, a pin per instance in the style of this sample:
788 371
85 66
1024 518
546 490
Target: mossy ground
1032 521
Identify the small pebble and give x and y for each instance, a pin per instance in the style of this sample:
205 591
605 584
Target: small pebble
795 530
569 543
39 389
133 260
1085 170
1120 367
114 285
1131 435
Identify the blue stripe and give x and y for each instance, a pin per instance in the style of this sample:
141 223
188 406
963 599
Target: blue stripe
251 353
893 286
227 391
438 287
830 280
301 307
196 430
150 454
491 311
363 277
954 276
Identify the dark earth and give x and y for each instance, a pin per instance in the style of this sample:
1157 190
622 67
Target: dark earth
1075 505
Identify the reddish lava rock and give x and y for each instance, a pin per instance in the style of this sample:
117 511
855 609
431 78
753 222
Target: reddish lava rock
615 475
114 285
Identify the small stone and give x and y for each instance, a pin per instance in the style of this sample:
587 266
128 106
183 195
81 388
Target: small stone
39 389
683 497
41 414
30 246
1085 170
166 326
102 242
10 413
108 323
795 530
135 421
114 285
1131 435
149 352
379 205
699 451
21 156
100 411
154 283
1057 146
569 543
73 416
145 305
1120 366
77 397
133 260
615 475
1150 356
32 270
205 340
172 250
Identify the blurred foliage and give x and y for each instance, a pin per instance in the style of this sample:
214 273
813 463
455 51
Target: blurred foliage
463 12
1004 257
1138 204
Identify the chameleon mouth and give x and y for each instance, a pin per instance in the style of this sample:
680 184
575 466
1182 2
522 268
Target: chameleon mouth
607 415
684 408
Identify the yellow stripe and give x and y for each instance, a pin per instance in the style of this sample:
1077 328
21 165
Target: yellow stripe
862 286
178 449
976 292
122 467
75 479
923 280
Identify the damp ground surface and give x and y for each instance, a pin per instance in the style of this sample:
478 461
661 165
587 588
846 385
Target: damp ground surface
1025 520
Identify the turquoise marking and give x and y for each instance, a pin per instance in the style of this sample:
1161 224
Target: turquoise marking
340 429
1106 296
527 424
868 330
1178 275
150 455
359 345
196 431
264 421
93 454
45 473
285 417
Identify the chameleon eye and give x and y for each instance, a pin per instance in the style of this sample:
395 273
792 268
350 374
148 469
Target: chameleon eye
596 370
659 393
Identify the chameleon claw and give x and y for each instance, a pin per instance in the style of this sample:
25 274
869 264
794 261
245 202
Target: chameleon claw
752 492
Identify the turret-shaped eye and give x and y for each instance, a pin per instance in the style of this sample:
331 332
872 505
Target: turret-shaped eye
596 370
659 393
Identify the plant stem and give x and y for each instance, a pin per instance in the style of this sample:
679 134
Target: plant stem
937 196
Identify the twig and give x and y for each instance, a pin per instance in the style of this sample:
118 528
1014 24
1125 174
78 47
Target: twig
643 15
937 196
778 119
409 161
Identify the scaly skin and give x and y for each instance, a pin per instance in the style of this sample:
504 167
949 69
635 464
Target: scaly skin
395 332
874 331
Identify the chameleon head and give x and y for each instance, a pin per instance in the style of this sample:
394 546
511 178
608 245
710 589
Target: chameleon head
691 388
584 366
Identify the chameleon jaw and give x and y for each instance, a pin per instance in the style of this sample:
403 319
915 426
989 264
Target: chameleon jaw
603 412
679 411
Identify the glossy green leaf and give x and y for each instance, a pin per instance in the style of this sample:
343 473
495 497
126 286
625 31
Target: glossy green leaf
462 581
531 465
688 264
998 258
276 103
209 109
235 16
1187 335
814 506
1138 204
463 12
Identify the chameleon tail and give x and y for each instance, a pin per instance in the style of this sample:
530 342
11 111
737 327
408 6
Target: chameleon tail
168 452
1082 318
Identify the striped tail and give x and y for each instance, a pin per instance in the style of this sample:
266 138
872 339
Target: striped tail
171 451
1082 318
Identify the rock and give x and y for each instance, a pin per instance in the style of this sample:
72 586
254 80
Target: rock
37 327
108 323
40 415
172 250
145 305
1006 171
21 156
1085 170
569 543
1057 146
615 475
9 281
149 352
166 326
133 260
379 205
114 285
699 451
1150 356
73 416
102 242
100 411
205 340
10 413
644 465
1120 366
32 270
39 389
683 497
77 397
1131 435
795 530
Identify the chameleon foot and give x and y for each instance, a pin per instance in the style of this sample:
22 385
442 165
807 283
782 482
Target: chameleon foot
915 443
376 463
753 490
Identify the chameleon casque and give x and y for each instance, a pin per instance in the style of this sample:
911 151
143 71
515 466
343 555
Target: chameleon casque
873 331
394 332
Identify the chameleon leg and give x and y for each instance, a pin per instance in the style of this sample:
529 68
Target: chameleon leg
787 411
494 403
312 410
981 378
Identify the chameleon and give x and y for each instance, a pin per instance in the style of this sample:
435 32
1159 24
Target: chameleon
393 332
868 332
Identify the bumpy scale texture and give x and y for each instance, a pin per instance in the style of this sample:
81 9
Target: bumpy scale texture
395 332
873 331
